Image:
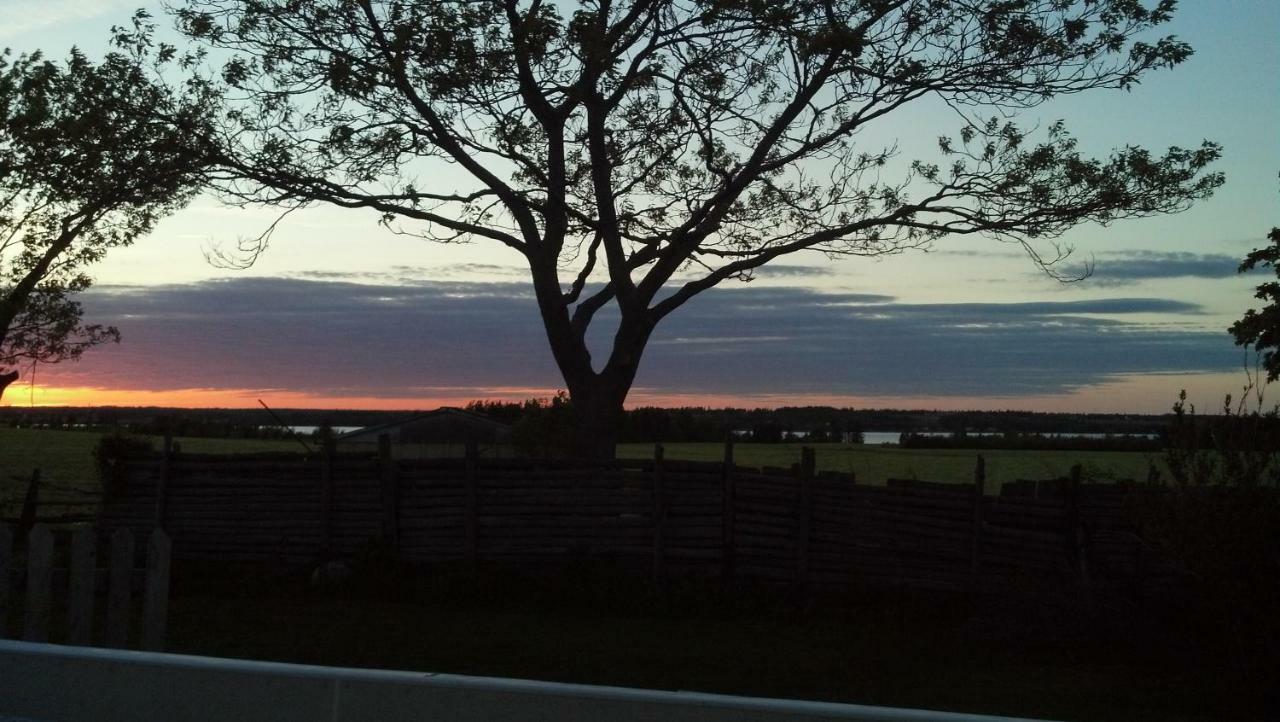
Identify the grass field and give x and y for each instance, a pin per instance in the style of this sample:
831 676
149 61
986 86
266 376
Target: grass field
66 458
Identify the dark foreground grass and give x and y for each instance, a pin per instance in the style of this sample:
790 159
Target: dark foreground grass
909 655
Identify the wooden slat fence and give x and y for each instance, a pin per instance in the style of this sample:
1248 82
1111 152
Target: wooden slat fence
659 517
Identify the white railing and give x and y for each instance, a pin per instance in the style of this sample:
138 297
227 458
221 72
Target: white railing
47 682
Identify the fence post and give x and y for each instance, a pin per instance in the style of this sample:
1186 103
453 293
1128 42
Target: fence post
162 486
979 509
80 582
1140 575
39 580
473 503
808 467
27 519
120 590
6 549
1075 526
155 609
727 551
326 499
659 517
390 492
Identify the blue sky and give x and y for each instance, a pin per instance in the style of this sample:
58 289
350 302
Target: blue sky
340 312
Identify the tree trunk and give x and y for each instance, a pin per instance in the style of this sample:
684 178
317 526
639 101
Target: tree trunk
597 404
6 379
597 419
596 397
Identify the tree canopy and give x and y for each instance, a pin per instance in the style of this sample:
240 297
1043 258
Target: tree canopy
636 153
1261 328
86 165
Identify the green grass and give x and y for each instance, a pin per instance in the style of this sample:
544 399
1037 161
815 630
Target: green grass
65 458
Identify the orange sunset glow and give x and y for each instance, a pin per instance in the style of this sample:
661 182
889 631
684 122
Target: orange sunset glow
244 398
1153 393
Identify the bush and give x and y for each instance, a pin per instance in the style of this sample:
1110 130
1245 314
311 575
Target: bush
1239 448
545 428
1219 517
110 455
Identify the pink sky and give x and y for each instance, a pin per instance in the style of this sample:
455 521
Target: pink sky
1152 394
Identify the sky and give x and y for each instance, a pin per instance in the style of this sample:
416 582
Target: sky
341 313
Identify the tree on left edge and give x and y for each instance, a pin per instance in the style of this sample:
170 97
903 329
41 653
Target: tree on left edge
92 155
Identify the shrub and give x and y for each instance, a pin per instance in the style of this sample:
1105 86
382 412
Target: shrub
1219 516
110 455
545 428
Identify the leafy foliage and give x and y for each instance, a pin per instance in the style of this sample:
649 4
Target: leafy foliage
1237 448
91 156
112 453
540 427
545 428
1261 328
1220 518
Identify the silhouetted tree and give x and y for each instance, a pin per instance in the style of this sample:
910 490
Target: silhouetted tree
637 153
86 165
1261 328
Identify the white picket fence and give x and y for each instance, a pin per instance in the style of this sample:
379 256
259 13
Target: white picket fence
26 582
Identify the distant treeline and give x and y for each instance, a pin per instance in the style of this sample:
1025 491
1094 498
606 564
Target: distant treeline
652 425
1034 442
206 423
176 425
825 423
643 425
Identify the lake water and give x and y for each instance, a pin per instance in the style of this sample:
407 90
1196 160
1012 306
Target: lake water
309 430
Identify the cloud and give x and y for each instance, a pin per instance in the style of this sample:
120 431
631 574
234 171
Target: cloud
351 276
782 270
1122 268
479 269
385 340
416 275
979 254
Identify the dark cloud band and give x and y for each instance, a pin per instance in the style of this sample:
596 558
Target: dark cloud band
331 337
1126 267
